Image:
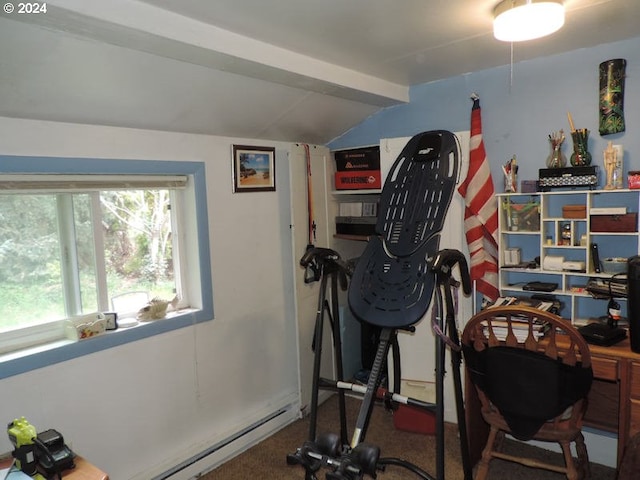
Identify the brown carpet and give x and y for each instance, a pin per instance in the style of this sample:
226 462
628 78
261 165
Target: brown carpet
267 460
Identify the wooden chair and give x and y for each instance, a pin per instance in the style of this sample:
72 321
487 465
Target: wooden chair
532 371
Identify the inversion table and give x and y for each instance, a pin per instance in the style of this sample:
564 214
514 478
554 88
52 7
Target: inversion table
391 287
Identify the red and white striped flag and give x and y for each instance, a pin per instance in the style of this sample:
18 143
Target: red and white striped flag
481 212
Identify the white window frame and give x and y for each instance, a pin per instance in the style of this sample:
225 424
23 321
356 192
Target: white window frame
193 259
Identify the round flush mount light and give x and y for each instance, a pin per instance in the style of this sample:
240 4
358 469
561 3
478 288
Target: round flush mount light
521 20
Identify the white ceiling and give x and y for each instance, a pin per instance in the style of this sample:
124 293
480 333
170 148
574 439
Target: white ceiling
290 70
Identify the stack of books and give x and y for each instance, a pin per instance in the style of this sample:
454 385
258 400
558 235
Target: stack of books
608 287
520 328
545 305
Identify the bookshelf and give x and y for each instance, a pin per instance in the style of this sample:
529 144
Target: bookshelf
558 229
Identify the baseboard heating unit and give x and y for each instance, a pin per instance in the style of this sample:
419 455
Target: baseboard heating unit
189 469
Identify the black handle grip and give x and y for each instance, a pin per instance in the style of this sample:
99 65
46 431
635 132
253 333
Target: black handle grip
444 262
318 254
318 259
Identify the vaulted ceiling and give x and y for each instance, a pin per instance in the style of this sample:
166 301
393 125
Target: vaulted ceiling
290 70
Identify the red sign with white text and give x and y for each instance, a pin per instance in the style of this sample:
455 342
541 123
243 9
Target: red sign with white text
358 180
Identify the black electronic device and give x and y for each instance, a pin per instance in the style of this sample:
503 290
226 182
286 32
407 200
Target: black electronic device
595 258
356 225
602 334
633 302
41 453
540 286
52 455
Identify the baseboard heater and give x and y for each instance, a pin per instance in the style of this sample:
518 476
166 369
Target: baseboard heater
214 448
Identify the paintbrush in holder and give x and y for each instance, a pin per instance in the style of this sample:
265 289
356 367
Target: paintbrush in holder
580 156
556 158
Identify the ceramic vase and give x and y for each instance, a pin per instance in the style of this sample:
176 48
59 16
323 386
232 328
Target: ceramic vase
580 156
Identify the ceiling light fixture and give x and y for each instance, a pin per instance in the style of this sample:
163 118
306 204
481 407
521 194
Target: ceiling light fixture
520 20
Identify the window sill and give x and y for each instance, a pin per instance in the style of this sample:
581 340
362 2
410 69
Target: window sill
32 358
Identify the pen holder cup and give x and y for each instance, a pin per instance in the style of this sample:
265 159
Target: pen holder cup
511 182
556 158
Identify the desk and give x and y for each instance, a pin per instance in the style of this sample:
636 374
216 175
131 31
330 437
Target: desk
614 399
83 471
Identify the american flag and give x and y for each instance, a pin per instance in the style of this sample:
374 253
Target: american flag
481 212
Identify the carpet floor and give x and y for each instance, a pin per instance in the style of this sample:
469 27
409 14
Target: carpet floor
267 460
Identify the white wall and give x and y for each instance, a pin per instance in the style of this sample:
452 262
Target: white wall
137 409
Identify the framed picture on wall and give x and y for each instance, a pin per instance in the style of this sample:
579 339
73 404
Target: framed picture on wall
254 169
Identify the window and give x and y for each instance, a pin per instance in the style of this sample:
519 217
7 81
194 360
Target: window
76 243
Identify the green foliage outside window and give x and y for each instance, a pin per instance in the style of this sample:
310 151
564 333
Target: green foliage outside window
136 232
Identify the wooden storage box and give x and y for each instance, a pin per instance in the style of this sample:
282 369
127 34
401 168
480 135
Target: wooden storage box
615 223
574 211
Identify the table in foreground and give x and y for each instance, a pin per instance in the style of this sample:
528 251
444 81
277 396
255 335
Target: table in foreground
82 471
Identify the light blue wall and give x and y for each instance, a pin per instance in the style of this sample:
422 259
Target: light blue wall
518 118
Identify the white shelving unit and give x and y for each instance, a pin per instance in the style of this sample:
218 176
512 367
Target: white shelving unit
540 234
357 195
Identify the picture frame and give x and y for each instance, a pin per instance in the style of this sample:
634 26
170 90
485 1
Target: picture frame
254 169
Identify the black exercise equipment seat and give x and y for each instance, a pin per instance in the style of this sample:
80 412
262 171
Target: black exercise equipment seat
391 285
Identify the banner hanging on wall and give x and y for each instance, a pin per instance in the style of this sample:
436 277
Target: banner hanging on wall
611 116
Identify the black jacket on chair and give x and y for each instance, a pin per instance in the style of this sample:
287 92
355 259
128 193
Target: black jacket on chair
527 388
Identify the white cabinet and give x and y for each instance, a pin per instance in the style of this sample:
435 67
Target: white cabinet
365 196
548 226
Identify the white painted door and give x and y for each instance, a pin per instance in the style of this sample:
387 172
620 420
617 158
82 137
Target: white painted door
306 294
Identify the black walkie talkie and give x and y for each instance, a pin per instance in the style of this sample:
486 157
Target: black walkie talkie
595 258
